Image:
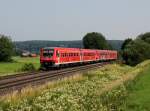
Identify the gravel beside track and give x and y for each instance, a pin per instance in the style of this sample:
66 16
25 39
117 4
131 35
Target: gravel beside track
11 83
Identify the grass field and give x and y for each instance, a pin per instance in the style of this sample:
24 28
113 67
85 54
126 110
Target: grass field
18 62
139 93
86 92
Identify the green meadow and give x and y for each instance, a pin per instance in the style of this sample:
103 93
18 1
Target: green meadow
139 93
13 67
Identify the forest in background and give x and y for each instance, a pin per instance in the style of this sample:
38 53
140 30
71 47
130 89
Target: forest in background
35 45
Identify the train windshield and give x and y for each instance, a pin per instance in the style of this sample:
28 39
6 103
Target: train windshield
48 52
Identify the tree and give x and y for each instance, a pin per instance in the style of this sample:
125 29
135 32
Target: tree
6 48
136 51
95 40
125 43
145 37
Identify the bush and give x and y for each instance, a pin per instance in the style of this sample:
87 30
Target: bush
6 48
136 51
28 67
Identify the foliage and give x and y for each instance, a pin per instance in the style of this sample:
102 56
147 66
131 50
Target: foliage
6 48
95 40
125 43
136 51
16 65
28 67
34 46
81 95
145 37
138 98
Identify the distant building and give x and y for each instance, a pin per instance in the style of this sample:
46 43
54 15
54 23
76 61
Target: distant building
33 55
25 54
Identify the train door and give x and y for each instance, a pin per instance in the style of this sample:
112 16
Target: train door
81 55
58 56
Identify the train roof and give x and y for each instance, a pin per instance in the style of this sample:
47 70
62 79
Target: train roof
77 49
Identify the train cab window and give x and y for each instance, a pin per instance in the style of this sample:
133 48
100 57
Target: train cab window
48 52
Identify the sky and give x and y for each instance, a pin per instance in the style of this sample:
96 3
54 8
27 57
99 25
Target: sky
73 19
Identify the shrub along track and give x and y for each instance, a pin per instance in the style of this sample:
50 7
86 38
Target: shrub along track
11 83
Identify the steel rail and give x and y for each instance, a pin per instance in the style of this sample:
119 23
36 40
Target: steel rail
17 83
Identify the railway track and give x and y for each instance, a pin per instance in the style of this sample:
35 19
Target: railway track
16 82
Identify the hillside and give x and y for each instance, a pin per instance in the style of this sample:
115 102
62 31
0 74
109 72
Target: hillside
35 45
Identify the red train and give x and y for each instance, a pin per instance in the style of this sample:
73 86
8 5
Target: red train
57 56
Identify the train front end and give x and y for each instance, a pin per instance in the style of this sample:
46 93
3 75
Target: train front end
47 57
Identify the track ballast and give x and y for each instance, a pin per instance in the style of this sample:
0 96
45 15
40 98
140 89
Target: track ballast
11 83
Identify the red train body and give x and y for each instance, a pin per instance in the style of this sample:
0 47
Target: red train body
57 56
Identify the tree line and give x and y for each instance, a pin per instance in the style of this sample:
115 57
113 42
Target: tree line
132 51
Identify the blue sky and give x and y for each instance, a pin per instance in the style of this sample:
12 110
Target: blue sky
72 19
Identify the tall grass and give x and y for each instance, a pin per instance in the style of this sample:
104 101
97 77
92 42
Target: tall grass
92 91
